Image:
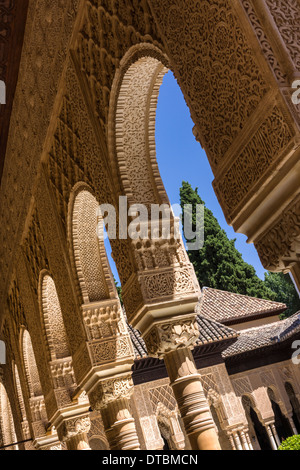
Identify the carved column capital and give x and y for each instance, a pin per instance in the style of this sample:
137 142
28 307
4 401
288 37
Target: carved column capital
73 427
111 390
170 336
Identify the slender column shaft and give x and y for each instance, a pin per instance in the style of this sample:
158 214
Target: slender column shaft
271 438
237 441
244 441
191 400
232 442
293 425
120 425
276 437
249 441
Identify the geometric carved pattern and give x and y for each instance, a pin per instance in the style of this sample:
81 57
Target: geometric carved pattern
162 395
260 153
35 251
30 365
16 308
7 429
209 383
242 386
267 379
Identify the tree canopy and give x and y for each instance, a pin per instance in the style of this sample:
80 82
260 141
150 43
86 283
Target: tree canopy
219 264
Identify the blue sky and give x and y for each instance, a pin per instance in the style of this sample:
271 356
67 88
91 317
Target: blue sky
181 158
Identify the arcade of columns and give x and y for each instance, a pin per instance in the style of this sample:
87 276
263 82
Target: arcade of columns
82 133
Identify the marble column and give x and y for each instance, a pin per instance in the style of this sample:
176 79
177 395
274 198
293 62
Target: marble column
192 404
271 438
237 441
112 398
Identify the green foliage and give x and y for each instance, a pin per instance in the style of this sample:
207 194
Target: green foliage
292 443
285 291
119 290
219 264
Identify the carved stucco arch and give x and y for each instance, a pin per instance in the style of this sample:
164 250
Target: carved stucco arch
248 399
275 396
161 269
88 253
30 365
7 426
52 319
131 125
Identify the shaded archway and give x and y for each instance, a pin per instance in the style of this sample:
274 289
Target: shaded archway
216 412
282 423
294 404
257 431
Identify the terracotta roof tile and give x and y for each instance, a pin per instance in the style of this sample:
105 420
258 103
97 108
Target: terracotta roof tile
227 307
264 336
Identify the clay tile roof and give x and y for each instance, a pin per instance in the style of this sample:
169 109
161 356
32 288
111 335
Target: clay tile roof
230 308
264 336
210 332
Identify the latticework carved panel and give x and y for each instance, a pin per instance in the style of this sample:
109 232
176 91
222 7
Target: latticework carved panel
163 395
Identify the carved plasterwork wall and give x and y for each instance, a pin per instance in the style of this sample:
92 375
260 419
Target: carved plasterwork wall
51 24
53 321
251 90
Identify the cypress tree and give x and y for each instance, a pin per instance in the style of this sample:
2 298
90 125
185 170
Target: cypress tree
285 291
219 264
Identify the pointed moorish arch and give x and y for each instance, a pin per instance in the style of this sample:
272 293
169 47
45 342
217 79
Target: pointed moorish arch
52 319
256 423
135 173
87 251
131 130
